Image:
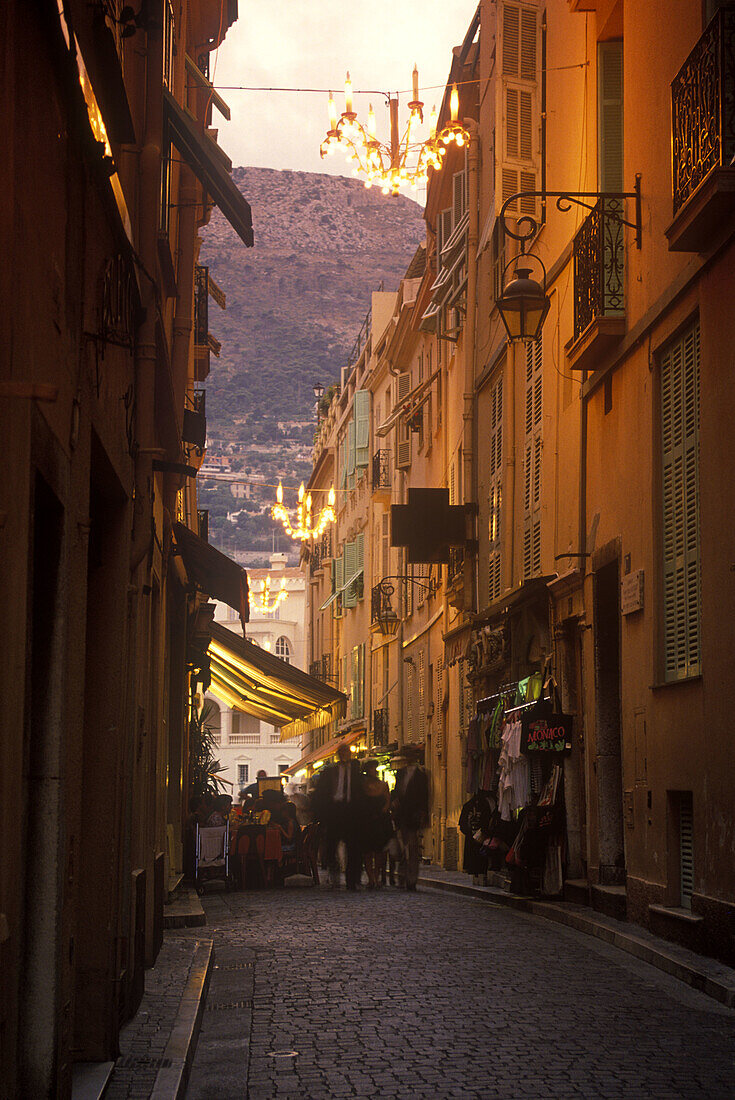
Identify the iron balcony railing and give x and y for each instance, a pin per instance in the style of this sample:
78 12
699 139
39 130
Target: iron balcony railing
381 469
599 265
321 669
456 563
201 305
703 108
203 523
380 726
315 558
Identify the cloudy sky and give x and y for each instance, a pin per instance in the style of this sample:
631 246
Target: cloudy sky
310 44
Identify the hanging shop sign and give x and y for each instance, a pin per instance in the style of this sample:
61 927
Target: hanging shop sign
546 729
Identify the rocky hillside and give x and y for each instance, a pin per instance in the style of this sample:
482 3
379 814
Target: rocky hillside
295 301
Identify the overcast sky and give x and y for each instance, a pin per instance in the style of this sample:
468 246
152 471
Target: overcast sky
310 44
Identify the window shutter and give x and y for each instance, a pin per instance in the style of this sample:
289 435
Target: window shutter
385 536
362 428
518 106
339 580
422 695
686 849
351 455
459 195
610 115
495 490
403 387
360 564
349 596
533 457
343 463
680 468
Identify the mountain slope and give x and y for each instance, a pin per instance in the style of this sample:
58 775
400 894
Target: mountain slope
297 299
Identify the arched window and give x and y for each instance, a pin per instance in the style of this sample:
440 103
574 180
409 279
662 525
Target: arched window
283 649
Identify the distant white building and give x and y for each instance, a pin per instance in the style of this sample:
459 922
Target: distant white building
246 744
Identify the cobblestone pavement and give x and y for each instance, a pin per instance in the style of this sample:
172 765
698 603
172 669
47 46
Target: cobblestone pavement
394 994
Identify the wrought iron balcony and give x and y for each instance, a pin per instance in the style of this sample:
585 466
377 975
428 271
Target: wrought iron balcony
703 136
315 669
381 469
315 558
456 564
203 523
381 726
599 283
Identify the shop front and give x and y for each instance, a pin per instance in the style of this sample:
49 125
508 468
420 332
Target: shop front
519 742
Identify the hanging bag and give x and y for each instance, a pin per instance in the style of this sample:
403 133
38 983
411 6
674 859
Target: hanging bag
545 728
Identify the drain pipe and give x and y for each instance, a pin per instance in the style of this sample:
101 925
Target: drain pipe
468 434
183 319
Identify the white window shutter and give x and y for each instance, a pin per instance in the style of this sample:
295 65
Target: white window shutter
350 559
351 454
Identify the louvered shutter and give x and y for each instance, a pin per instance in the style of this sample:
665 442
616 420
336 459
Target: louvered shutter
459 196
351 455
518 108
343 463
532 459
610 115
339 580
680 468
422 695
385 536
686 849
443 232
350 560
360 564
362 428
495 490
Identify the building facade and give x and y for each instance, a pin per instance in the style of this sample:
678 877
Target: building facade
590 461
109 172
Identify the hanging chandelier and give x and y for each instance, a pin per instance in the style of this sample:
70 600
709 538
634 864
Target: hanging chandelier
404 161
306 526
261 601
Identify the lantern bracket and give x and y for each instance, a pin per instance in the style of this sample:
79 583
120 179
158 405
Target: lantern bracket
526 227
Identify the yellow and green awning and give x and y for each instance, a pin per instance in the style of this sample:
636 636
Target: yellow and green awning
252 680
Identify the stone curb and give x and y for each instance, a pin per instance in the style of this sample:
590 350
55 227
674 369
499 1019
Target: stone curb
715 988
171 1079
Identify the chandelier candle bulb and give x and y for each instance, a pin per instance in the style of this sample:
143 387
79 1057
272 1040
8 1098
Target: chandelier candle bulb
415 83
348 95
372 126
454 103
432 122
332 107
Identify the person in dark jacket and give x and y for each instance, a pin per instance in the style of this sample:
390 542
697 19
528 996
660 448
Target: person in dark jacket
338 803
410 810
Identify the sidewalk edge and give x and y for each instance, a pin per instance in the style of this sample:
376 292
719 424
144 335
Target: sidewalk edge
624 941
171 1080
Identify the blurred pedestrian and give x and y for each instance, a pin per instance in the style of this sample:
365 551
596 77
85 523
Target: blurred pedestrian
410 810
338 803
378 828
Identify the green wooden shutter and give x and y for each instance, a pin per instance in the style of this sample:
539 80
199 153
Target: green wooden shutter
339 580
680 468
362 428
610 115
349 599
360 564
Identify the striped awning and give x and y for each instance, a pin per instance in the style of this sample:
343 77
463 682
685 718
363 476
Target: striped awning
250 679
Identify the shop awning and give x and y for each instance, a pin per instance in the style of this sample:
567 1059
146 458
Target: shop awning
323 753
253 680
213 572
205 159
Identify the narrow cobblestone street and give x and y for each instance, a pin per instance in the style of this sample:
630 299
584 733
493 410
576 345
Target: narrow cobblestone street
322 994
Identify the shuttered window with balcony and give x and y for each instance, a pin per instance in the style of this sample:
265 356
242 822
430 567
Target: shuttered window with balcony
680 472
533 452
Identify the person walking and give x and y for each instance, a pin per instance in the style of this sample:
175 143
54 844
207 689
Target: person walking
338 801
378 826
410 809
